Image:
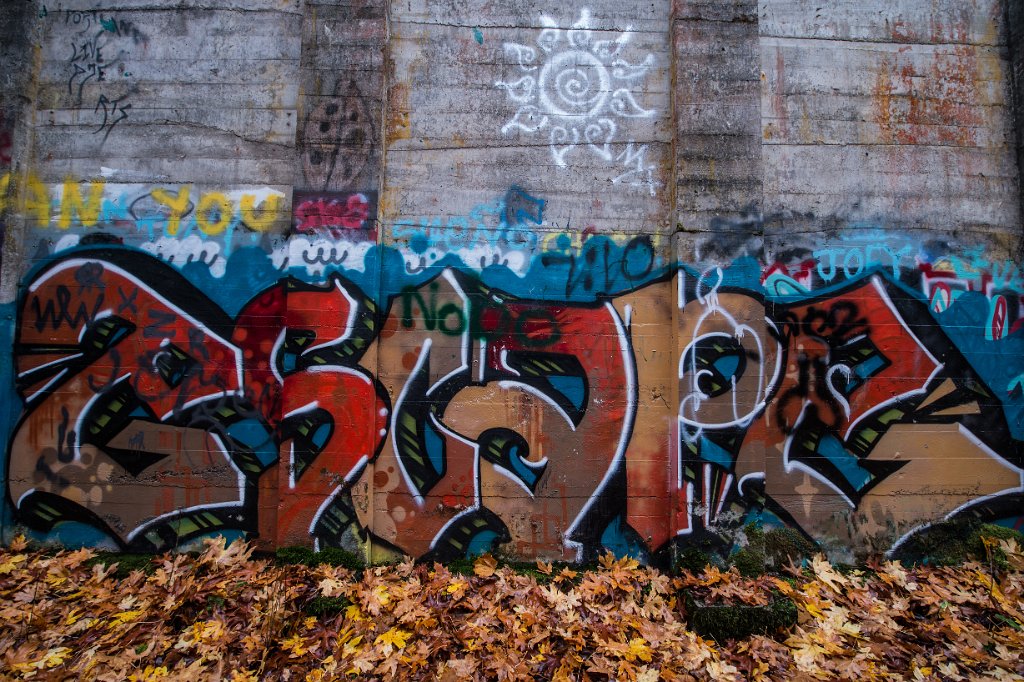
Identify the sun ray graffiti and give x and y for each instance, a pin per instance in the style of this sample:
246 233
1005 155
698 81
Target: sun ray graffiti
577 89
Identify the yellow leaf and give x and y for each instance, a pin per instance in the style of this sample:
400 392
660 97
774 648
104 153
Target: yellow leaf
485 566
393 638
295 645
567 574
783 587
123 617
456 586
149 673
826 574
19 543
51 659
352 646
55 657
11 564
544 568
638 649
380 593
814 611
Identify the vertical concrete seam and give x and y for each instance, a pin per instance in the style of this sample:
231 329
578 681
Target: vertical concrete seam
1014 19
385 106
672 498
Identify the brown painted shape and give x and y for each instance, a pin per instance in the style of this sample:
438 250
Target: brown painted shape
650 471
195 471
338 141
383 499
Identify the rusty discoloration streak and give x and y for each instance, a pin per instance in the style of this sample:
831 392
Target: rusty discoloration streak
398 112
934 107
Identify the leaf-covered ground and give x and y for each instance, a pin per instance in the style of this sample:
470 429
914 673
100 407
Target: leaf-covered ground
224 615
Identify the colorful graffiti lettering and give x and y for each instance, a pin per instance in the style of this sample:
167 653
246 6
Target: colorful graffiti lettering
332 215
176 212
451 415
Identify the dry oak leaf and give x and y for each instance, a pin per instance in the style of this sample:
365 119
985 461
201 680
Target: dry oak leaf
638 649
457 588
485 566
646 674
824 571
331 587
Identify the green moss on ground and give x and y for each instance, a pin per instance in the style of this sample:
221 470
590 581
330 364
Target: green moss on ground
691 559
127 563
326 606
953 542
771 550
724 622
332 556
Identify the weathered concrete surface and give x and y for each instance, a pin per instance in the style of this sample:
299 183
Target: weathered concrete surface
342 80
869 115
18 55
1015 38
213 88
718 113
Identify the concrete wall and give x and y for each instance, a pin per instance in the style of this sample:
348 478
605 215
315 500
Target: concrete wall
1015 38
434 278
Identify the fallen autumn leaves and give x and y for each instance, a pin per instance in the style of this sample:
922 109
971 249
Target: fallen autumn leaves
223 615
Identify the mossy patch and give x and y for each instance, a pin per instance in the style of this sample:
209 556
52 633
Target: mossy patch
691 559
326 606
126 563
771 550
749 562
784 546
953 542
722 622
332 556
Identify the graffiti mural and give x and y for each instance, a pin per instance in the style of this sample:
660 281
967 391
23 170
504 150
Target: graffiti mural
609 399
187 362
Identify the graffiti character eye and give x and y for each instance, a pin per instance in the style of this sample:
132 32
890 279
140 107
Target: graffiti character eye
309 432
717 361
173 364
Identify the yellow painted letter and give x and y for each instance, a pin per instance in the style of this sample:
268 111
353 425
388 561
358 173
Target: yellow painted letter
261 220
37 200
178 205
71 203
214 201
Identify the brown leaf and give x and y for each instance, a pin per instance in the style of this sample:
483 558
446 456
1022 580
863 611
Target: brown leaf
485 566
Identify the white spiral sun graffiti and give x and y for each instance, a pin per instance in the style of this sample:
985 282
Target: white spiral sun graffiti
576 88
